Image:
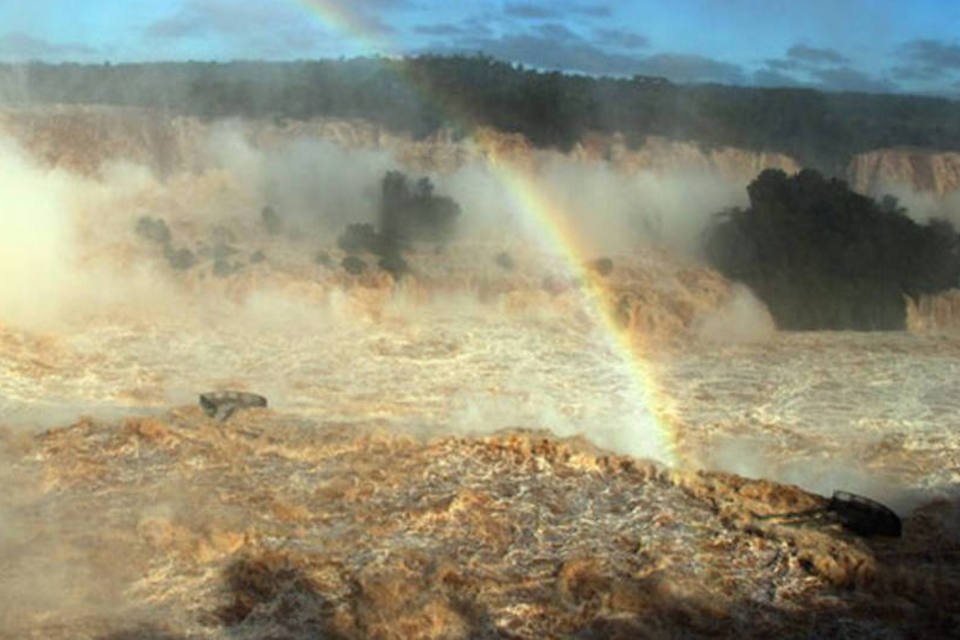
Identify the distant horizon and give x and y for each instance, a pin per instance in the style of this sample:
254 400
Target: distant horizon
954 97
872 46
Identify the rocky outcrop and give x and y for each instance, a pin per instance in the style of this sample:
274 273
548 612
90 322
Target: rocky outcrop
922 170
664 155
83 138
938 314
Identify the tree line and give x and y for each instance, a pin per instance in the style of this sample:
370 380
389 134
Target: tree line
423 94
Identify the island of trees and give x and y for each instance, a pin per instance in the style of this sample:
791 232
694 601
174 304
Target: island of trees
821 256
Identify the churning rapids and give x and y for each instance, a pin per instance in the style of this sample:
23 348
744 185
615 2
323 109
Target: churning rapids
464 453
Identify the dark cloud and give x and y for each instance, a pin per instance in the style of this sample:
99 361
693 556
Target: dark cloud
916 72
621 39
554 46
472 28
537 50
442 29
530 10
772 78
593 10
17 45
783 64
849 79
685 67
557 31
934 52
818 68
549 10
815 56
928 60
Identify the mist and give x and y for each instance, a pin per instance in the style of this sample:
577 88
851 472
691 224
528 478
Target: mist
923 206
73 234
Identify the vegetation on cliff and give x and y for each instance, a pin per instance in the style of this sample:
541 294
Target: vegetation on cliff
424 94
407 214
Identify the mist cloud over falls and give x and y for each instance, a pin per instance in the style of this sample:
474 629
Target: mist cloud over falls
62 228
157 286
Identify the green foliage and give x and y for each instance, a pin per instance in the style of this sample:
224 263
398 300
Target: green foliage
824 257
353 265
360 237
414 213
407 214
423 94
394 264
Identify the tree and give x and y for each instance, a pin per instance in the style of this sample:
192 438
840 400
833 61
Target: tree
824 257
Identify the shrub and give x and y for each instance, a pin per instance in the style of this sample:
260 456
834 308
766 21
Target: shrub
353 265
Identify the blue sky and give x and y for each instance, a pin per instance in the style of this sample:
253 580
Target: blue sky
870 45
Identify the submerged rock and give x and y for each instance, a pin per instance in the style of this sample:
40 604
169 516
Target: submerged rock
223 404
864 516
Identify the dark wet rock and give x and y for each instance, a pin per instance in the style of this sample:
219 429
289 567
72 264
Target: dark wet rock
154 229
353 265
864 516
856 513
505 261
223 404
271 220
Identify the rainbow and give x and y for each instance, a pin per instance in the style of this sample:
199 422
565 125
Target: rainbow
536 204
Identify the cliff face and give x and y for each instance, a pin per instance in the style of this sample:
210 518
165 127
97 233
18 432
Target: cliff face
81 138
926 171
664 155
936 314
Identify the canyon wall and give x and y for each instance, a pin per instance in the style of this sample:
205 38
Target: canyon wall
922 170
